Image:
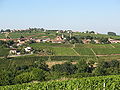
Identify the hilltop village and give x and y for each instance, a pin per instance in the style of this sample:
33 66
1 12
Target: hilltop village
20 40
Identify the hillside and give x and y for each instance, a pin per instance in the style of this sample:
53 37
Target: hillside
90 83
51 34
45 56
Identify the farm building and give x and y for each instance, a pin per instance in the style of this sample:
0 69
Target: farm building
58 39
114 41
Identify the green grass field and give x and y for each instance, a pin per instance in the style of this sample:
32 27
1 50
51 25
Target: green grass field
116 45
93 46
80 49
84 51
63 51
106 51
50 45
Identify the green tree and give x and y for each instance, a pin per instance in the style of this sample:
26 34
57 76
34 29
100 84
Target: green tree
112 33
115 63
67 68
39 74
101 68
104 41
82 66
10 43
5 78
92 42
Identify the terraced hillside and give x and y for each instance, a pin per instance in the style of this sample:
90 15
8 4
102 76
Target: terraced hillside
79 49
89 83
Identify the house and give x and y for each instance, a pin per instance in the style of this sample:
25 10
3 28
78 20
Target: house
46 40
86 41
18 44
97 41
113 41
69 31
28 49
37 40
13 51
58 39
22 41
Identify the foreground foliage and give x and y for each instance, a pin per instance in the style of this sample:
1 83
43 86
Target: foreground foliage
90 83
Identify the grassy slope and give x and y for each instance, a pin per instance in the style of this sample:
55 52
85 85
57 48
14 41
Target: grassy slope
63 51
84 51
52 34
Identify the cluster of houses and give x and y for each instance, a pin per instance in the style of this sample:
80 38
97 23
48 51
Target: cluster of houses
14 51
87 41
29 50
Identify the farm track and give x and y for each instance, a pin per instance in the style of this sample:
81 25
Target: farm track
112 46
75 51
20 55
110 55
93 51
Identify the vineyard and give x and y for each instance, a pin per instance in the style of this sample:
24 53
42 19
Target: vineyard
79 49
73 50
106 51
64 51
89 83
3 51
29 60
84 51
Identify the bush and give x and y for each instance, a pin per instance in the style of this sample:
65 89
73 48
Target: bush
68 68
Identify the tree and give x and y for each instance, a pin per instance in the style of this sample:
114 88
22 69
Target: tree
104 41
5 78
92 42
89 37
2 42
101 68
82 66
100 71
10 43
7 30
39 74
21 37
115 63
75 40
2 30
41 65
112 33
92 32
67 68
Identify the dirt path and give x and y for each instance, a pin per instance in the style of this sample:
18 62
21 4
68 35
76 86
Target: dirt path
51 63
93 51
109 55
112 46
75 51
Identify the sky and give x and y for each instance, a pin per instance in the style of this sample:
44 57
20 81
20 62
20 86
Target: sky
78 15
